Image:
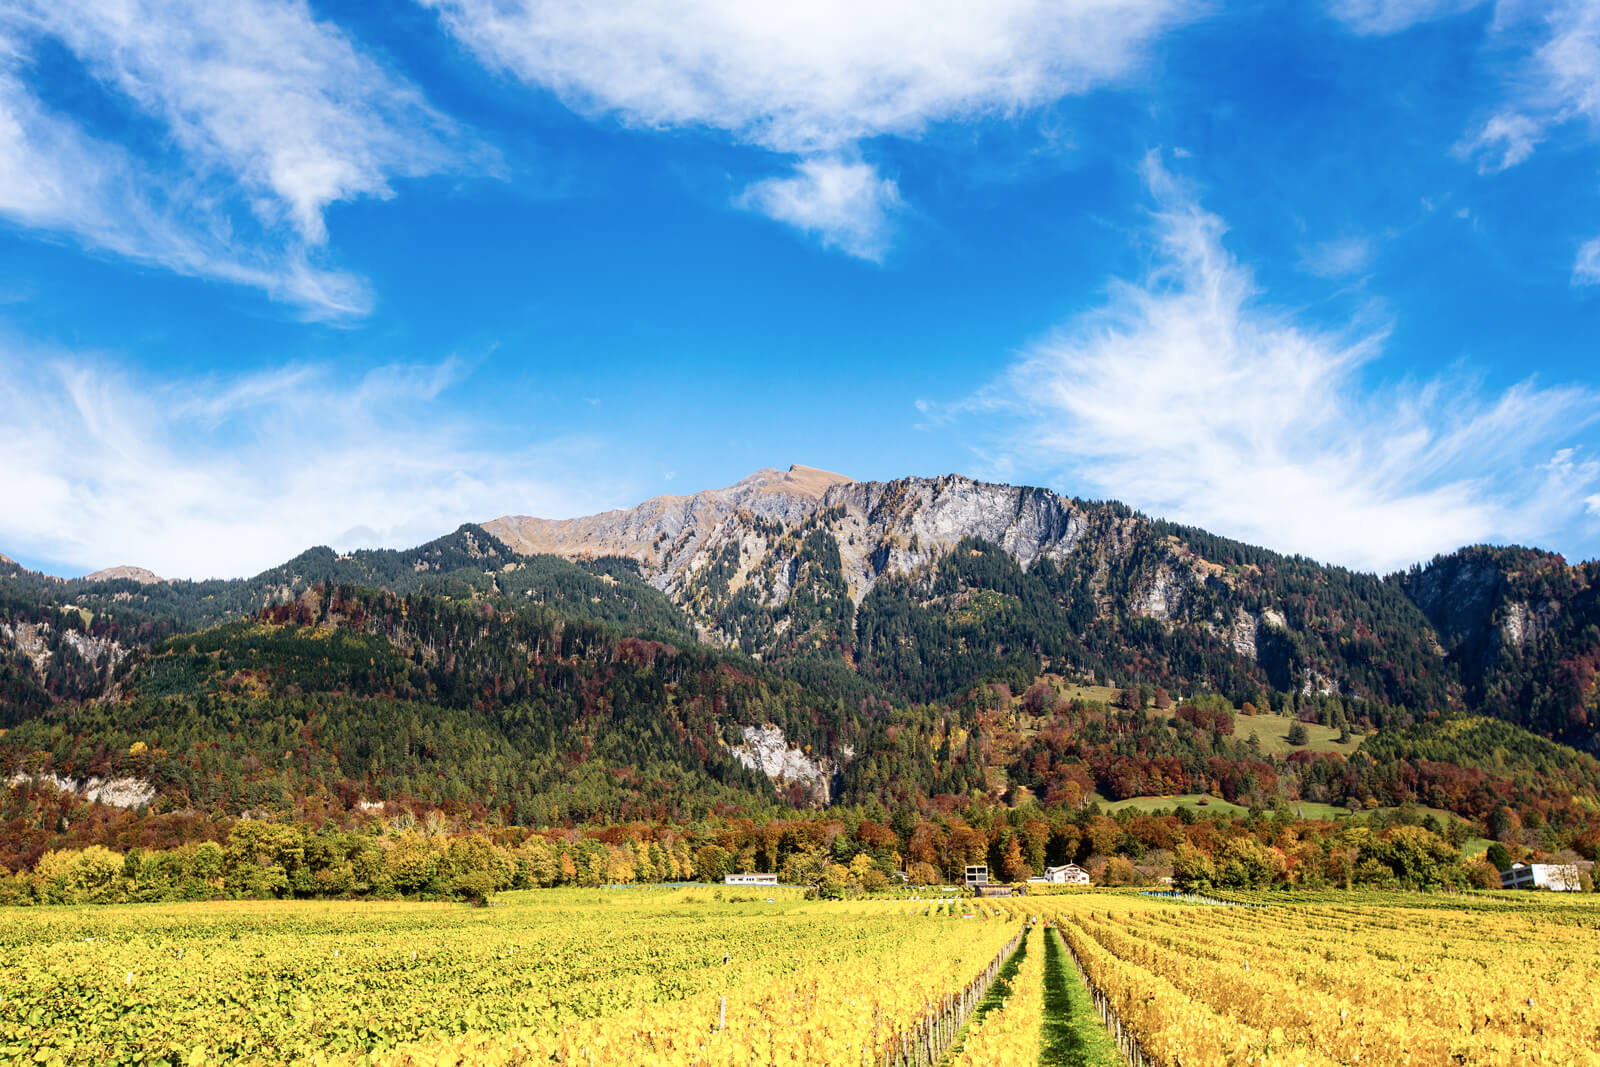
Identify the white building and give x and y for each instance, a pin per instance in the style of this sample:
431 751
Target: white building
1559 877
1067 874
977 874
749 879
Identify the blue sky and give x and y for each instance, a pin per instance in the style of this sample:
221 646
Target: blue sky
273 273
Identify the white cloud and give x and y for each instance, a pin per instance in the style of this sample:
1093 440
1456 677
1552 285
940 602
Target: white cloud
1391 16
1337 258
268 117
1190 398
1502 142
1587 269
844 203
226 476
810 79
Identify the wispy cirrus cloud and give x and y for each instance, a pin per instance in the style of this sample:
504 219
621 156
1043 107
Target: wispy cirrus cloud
1337 258
1557 87
269 116
812 80
1392 16
1191 397
227 475
1554 85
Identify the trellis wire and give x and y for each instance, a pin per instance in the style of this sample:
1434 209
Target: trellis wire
1127 1042
925 1042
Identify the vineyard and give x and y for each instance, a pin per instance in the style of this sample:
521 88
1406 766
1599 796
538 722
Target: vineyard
687 977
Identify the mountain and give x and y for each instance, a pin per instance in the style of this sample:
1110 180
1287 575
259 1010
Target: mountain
925 585
801 638
62 640
132 574
1522 628
804 562
667 532
753 532
921 587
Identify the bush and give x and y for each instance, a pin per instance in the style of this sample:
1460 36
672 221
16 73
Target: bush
1481 874
475 887
79 876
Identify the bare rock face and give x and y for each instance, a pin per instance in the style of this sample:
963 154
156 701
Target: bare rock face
133 574
666 532
1243 634
765 749
895 527
750 529
1319 684
115 792
1523 621
30 640
36 641
1162 595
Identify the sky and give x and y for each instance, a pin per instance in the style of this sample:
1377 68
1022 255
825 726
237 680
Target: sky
1320 276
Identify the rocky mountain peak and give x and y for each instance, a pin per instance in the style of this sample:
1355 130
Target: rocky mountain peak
798 480
135 574
667 530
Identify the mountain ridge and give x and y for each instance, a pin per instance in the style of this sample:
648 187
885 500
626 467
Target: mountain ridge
782 574
922 586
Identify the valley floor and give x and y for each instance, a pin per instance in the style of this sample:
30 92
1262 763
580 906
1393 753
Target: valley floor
722 976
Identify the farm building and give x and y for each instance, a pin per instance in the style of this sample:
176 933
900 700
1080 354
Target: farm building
977 874
1559 877
1067 874
749 879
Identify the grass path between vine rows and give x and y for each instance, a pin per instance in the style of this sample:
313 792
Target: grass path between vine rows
995 998
1073 1034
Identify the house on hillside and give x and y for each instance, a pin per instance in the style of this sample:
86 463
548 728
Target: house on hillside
749 879
1557 877
1066 874
977 874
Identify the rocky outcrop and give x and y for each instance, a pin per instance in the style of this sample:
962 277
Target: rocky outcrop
1459 594
1243 634
1318 684
667 533
40 642
1485 600
115 792
766 750
29 639
1521 622
748 530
